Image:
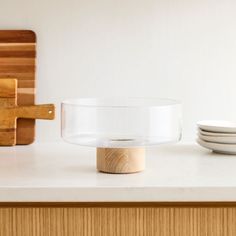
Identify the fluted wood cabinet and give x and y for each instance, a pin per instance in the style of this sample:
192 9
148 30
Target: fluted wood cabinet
123 219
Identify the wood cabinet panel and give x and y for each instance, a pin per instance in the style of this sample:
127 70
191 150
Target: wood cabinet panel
112 221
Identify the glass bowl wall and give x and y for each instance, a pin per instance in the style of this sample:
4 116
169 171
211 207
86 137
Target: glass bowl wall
121 122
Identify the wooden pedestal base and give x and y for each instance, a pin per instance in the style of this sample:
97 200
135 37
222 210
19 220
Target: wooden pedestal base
120 160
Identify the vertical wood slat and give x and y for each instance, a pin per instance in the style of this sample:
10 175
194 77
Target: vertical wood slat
107 221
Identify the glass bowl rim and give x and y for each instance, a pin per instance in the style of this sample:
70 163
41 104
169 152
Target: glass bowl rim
84 102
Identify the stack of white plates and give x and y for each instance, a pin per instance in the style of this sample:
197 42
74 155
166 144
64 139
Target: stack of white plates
218 136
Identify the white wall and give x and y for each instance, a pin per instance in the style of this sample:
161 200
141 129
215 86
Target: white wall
183 49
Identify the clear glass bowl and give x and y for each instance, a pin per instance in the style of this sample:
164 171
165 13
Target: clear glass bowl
121 122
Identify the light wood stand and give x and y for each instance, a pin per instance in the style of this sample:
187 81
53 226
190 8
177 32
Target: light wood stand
120 160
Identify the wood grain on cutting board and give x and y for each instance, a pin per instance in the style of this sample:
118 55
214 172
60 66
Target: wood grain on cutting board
18 60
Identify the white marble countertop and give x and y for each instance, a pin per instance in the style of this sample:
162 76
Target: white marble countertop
60 172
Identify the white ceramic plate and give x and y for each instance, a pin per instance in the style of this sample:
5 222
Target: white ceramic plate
208 133
218 126
218 139
218 147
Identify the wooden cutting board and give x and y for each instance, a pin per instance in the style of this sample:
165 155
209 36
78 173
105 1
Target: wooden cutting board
18 60
10 112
